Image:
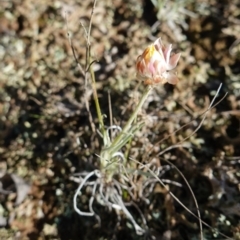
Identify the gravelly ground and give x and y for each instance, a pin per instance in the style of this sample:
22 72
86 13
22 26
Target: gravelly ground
45 132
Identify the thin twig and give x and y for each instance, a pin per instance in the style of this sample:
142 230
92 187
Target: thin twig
178 201
72 47
90 23
183 126
84 73
193 196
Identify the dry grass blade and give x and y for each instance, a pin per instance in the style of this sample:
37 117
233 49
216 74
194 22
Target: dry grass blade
178 201
178 144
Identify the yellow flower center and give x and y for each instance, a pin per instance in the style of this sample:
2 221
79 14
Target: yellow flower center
148 53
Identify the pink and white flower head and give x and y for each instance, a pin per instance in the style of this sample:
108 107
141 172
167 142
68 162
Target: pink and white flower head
154 64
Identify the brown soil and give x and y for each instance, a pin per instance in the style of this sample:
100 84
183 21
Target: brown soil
46 135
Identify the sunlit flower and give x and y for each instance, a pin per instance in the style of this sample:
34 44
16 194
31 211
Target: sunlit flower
154 64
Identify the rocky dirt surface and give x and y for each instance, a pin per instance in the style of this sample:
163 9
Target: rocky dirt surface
46 136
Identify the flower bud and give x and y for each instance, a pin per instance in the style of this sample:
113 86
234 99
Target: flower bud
154 64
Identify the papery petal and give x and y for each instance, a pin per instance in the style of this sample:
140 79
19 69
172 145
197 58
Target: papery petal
158 44
173 61
159 47
167 53
152 69
140 65
172 78
161 67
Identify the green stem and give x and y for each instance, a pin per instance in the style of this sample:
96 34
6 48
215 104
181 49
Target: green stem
128 125
107 160
106 139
